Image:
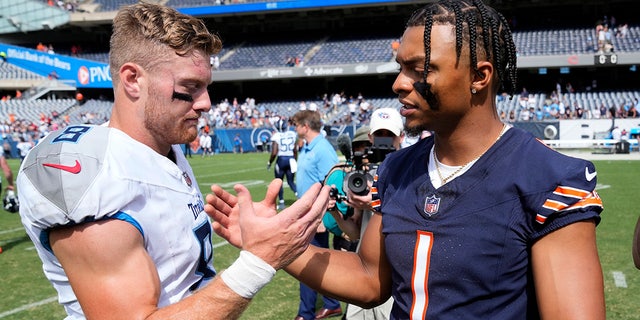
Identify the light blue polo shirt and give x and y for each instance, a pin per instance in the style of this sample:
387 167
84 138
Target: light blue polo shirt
315 160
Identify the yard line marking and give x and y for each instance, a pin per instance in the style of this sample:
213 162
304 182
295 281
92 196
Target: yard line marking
619 279
28 306
229 185
11 230
221 244
228 173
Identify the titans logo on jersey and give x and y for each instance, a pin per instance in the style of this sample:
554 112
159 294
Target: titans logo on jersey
477 229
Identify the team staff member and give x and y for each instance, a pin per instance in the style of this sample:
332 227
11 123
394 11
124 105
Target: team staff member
315 159
460 232
115 211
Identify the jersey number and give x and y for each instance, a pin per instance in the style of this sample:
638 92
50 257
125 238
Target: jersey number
71 134
286 144
203 234
420 275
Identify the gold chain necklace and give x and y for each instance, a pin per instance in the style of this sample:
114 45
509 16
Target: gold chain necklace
435 159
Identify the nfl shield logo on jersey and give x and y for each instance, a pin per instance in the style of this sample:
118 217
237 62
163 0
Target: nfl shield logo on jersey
431 205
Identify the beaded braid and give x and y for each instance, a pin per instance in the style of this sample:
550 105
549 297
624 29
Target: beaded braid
497 38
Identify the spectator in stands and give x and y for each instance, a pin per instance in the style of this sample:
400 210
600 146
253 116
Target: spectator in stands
215 62
141 236
76 50
525 114
300 60
3 56
633 112
459 231
53 75
336 100
579 112
290 61
395 44
622 31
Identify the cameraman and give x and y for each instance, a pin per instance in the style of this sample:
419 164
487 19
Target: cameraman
384 123
343 217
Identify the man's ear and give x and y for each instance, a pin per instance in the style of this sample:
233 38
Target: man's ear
482 78
131 79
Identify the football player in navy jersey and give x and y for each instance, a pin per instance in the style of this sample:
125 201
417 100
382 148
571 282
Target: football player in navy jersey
115 212
480 220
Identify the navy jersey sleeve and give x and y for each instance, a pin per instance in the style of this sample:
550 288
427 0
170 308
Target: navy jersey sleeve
563 193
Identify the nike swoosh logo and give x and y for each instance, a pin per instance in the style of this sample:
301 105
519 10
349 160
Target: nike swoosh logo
75 169
589 175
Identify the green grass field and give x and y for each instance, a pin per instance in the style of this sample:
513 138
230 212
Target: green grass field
26 294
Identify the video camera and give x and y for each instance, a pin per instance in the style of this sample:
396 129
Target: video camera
356 179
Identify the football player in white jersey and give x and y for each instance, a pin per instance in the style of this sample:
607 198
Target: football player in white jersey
205 144
283 146
115 211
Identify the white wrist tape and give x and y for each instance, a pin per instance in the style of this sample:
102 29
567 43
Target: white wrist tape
248 274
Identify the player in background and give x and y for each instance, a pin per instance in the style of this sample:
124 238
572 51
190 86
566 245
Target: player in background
284 152
205 144
115 212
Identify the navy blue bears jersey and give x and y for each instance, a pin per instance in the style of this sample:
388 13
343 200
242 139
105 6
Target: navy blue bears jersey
463 251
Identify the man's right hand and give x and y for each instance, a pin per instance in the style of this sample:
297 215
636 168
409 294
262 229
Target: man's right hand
277 238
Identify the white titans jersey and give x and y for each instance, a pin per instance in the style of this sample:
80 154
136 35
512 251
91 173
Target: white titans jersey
286 142
85 173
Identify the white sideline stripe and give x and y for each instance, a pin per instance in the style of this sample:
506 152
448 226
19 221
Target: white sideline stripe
11 230
619 279
28 306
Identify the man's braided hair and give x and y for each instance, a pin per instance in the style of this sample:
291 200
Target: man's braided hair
474 22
